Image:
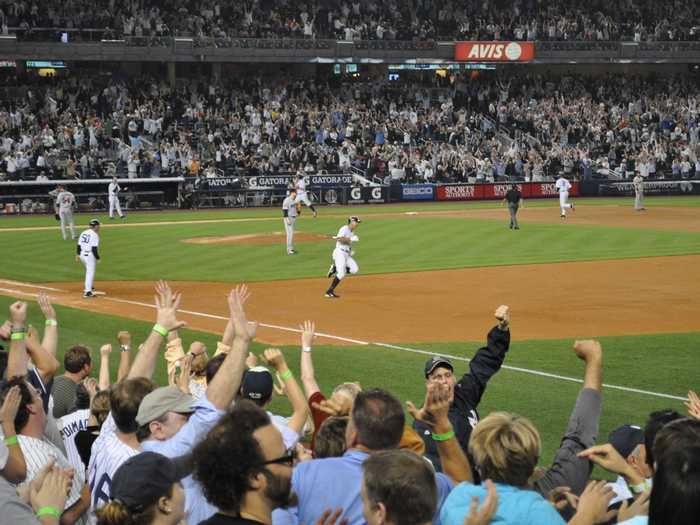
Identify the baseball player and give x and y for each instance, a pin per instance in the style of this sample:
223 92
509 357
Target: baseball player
343 262
302 195
289 216
87 254
563 186
65 203
113 194
514 199
638 183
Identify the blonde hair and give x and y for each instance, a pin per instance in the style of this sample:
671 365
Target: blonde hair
100 406
506 448
347 389
199 365
116 513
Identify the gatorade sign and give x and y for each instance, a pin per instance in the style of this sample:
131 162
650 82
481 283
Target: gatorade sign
495 51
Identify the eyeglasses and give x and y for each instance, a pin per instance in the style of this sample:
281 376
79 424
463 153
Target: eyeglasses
288 459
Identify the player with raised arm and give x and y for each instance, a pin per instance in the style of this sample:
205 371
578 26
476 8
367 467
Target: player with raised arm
113 195
343 263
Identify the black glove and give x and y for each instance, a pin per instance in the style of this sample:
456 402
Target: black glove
57 216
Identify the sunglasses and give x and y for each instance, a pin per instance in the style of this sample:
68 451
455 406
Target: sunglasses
288 459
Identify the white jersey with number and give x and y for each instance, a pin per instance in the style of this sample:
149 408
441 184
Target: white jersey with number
87 240
65 201
113 189
69 426
345 231
301 186
107 455
562 185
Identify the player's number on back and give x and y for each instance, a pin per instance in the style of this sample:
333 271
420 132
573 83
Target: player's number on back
99 494
85 238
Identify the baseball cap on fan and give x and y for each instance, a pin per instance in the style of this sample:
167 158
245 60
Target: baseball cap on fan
625 439
143 479
161 401
436 362
257 385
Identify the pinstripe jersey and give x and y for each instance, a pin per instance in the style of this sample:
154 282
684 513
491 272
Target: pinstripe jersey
37 453
69 426
108 454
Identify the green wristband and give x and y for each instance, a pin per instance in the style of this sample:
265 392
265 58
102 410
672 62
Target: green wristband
160 330
48 511
18 336
51 322
444 437
12 440
286 375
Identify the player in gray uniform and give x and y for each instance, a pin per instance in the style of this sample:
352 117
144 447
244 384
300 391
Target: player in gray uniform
65 203
289 214
638 183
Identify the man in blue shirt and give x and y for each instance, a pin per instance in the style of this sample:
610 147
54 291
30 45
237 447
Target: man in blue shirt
376 424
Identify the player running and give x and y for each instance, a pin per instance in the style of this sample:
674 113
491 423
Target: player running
65 204
343 262
302 195
87 254
563 186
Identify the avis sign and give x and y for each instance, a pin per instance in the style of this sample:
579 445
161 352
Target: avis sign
495 51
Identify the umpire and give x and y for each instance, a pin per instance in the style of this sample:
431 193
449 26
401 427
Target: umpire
514 198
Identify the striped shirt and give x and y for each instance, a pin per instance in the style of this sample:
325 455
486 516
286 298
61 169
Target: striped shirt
108 454
69 426
64 393
37 453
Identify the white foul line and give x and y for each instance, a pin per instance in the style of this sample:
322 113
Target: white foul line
383 345
27 285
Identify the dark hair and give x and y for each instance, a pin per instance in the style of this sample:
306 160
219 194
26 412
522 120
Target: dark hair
82 397
124 401
675 494
378 418
657 420
330 438
229 455
679 433
22 416
213 366
404 483
76 358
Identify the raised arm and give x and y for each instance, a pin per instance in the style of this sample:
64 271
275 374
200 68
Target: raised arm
50 340
167 304
434 414
308 375
486 362
299 407
124 339
227 381
18 360
104 379
15 469
46 364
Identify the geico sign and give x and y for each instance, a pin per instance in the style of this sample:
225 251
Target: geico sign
495 51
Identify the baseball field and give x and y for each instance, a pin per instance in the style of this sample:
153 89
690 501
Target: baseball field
430 277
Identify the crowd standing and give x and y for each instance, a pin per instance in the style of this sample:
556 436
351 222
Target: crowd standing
455 129
205 448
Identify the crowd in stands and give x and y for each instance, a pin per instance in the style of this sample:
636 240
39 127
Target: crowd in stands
205 447
560 20
445 130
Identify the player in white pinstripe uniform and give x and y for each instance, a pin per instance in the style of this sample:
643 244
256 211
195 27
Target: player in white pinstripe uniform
72 423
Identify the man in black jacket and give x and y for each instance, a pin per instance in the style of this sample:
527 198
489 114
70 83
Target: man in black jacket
467 392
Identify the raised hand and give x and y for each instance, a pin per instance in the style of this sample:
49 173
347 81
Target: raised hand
483 515
308 332
124 338
236 301
5 330
167 304
18 314
105 350
333 407
183 381
46 307
435 406
607 457
10 405
502 315
275 358
588 349
693 405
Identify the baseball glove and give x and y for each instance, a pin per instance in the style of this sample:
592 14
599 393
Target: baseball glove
56 216
298 208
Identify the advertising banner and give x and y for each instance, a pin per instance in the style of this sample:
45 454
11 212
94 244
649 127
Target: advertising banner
219 184
269 181
654 187
417 192
367 195
474 51
283 181
469 192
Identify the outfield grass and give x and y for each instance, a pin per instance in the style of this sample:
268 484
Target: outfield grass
663 363
388 244
20 221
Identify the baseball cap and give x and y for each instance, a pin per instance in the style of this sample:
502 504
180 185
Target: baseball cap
94 222
161 401
625 439
354 218
257 384
142 479
435 362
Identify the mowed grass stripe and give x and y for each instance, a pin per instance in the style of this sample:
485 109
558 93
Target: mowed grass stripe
657 362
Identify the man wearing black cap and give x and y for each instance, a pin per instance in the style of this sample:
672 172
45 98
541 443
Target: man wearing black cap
628 440
514 199
343 262
86 252
466 393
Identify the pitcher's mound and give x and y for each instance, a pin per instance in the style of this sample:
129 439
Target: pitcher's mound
258 238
